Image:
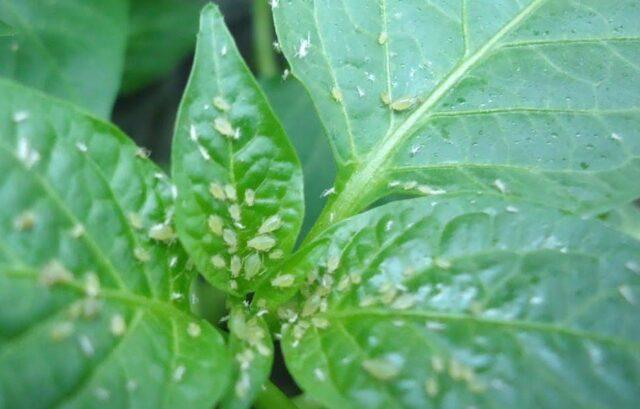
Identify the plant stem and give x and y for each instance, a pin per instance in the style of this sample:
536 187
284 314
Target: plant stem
266 63
273 398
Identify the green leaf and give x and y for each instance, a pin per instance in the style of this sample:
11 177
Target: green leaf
466 302
251 346
92 295
161 34
533 99
298 115
240 187
73 49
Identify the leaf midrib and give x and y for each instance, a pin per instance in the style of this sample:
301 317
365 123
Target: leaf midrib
364 178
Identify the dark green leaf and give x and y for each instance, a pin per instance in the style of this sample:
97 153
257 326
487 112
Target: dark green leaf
466 302
300 119
92 286
535 99
161 33
72 49
240 187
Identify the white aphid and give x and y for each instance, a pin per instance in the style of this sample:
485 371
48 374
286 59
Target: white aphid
194 330
276 254
626 293
162 232
217 191
135 220
633 266
500 185
53 273
616 137
382 369
229 237
218 261
252 265
249 197
285 74
77 231
141 254
223 126
303 47
230 192
234 212
178 373
216 224
383 37
20 116
328 192
223 50
235 266
360 91
221 104
193 134
91 285
26 154
81 146
86 346
204 153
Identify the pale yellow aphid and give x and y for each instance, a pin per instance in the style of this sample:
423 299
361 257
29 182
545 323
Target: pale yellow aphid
194 330
402 104
141 254
283 281
218 261
383 37
270 224
262 243
78 231
231 193
381 369
249 197
135 220
252 266
229 237
118 325
162 232
234 212
220 103
223 126
276 254
404 302
437 364
432 387
53 273
336 94
91 284
61 330
236 266
217 191
216 224
386 99
320 322
25 221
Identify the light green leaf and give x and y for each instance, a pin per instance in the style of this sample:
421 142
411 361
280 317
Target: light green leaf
466 302
73 49
240 187
535 99
252 349
91 306
298 115
161 33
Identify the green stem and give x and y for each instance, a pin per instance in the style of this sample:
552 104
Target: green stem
266 63
273 398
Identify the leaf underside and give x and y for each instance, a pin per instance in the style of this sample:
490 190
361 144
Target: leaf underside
91 307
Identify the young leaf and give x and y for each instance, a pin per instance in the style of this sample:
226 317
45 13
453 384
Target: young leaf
86 314
531 99
239 181
161 33
472 301
72 49
252 349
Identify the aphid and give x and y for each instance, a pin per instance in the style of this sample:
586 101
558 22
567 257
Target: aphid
91 284
229 237
328 192
432 387
320 322
249 197
336 94
633 266
102 394
270 224
320 375
194 330
437 364
235 266
500 185
410 185
402 104
218 261
303 48
381 369
252 265
277 47
233 284
61 330
234 212
616 137
204 153
176 296
626 293
262 243
216 224
511 209
118 325
217 191
414 150
442 263
131 385
143 153
230 191
276 254
283 281
385 98
78 231
344 283
135 220
178 373
26 154
361 92
404 302
285 74
162 232
141 254
81 146
383 37
86 346
20 116
221 104
274 3
367 301
242 385
193 134
25 221
332 264
223 126
223 50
